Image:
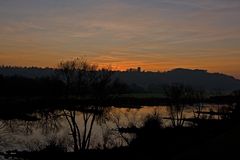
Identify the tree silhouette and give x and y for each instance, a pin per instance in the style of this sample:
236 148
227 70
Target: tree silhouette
178 96
68 73
83 78
82 135
87 80
199 96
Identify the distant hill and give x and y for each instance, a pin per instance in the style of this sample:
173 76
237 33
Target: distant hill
148 81
201 79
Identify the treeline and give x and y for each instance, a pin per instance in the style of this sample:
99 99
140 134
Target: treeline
78 78
48 86
72 78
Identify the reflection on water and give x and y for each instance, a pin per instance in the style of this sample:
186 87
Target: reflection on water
73 130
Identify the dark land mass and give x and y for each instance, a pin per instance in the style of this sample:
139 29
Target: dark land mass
28 90
146 81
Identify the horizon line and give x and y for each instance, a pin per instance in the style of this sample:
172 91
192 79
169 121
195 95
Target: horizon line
128 69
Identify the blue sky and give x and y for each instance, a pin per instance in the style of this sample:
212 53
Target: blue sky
154 34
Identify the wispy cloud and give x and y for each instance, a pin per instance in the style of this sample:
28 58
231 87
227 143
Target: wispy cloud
154 33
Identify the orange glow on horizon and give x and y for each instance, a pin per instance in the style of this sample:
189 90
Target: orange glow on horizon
124 65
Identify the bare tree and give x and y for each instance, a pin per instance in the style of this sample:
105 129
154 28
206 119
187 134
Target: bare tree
82 135
178 96
87 80
82 77
68 73
199 97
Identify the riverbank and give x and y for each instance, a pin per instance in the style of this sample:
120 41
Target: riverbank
30 103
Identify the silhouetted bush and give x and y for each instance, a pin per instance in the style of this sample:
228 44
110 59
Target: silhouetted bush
148 137
152 121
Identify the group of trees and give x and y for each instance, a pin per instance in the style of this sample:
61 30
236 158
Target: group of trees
71 78
83 78
179 97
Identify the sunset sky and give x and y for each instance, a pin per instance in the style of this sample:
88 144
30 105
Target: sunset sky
154 34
